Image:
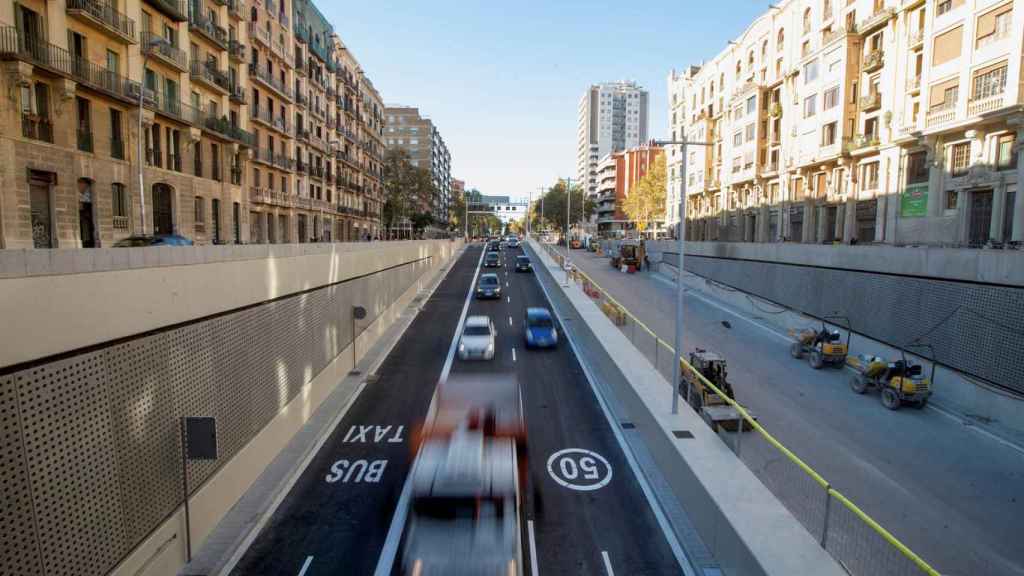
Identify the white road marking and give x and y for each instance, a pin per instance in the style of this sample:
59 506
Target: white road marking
607 563
386 561
513 353
659 514
533 549
305 565
508 299
509 320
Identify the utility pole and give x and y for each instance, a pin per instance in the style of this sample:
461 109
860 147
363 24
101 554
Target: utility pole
465 200
568 210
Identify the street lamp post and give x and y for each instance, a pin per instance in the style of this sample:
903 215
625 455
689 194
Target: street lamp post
568 230
679 271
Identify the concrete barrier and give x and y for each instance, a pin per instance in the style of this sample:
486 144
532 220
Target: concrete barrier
745 526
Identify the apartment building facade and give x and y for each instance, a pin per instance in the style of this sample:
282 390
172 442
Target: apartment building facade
861 121
218 153
619 173
419 137
611 117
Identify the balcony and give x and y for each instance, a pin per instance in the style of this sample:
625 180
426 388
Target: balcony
236 9
262 35
915 38
996 36
222 126
302 134
236 50
173 108
208 29
281 50
208 75
833 35
105 16
264 77
36 128
273 197
875 21
859 142
870 102
158 47
913 85
873 61
263 116
980 106
940 115
176 10
317 142
301 99
237 94
317 172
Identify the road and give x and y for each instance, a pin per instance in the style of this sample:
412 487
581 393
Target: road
340 526
952 494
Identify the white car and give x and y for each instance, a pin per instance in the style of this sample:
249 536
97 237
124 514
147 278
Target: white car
477 340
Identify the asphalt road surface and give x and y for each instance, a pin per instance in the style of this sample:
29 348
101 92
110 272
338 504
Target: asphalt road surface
337 516
954 495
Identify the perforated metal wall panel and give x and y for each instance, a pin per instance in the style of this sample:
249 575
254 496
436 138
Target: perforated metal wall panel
90 446
974 328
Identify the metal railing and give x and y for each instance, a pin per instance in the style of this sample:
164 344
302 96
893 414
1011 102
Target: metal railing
262 75
106 14
208 28
205 72
176 9
158 46
236 50
858 542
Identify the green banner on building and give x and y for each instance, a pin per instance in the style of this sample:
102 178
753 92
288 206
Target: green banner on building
914 201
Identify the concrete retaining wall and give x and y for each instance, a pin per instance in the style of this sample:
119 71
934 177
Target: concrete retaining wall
91 462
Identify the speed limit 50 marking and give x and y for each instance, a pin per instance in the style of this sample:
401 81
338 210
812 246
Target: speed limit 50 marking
579 469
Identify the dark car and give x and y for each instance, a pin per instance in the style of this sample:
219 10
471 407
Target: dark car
161 240
492 260
489 286
523 264
539 328
493 246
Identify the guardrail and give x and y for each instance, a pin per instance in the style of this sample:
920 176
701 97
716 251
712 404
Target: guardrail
858 542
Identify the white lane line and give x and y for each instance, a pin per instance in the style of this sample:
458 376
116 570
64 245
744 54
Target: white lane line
607 563
508 299
533 549
513 353
305 565
652 501
386 561
509 320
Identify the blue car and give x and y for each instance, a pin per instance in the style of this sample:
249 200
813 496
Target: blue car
160 240
539 328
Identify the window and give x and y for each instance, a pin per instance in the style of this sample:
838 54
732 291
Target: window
989 82
810 105
116 135
737 139
952 196
200 220
828 134
943 7
119 201
810 71
215 162
807 20
871 130
84 124
197 159
750 132
1006 158
780 40
917 168
960 158
831 98
869 176
751 104
948 46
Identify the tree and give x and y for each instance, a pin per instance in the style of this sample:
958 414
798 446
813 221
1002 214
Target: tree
408 189
457 212
646 202
554 207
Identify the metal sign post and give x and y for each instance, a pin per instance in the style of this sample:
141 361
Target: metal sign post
198 442
358 313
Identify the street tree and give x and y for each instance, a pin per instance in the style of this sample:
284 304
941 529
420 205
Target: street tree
554 207
408 189
457 212
646 202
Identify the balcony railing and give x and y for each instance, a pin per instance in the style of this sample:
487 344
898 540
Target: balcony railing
157 46
263 115
236 50
221 125
206 73
858 141
173 108
106 15
177 10
940 115
833 35
208 28
913 84
237 94
980 106
871 101
915 37
262 35
873 61
36 128
268 80
876 20
236 9
996 36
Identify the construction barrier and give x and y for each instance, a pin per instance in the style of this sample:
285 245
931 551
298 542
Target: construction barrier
849 534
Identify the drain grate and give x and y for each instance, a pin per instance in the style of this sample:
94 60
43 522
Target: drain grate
628 425
682 434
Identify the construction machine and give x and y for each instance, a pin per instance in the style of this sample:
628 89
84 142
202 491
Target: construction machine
822 347
631 253
899 382
712 407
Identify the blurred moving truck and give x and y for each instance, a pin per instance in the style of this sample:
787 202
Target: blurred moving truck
465 506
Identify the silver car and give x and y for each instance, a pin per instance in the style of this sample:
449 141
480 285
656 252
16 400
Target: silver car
477 340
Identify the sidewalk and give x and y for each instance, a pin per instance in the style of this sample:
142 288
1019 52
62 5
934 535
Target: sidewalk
940 482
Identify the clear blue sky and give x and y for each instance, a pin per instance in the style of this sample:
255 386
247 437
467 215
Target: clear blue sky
502 80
